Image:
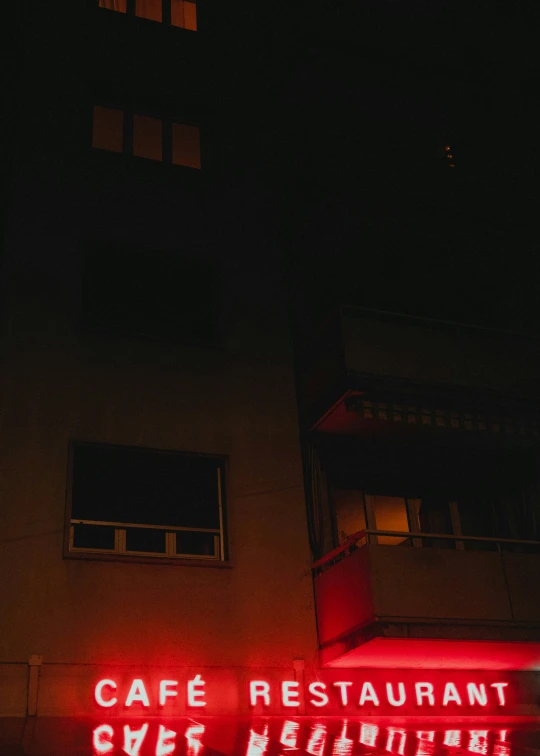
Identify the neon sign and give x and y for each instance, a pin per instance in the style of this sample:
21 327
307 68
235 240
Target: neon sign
373 694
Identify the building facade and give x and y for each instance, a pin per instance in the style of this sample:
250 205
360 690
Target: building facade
269 448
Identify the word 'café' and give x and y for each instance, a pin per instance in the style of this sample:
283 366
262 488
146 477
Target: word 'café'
290 694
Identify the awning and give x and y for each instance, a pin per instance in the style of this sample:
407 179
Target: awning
268 736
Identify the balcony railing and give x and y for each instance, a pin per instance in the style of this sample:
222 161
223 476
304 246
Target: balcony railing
418 540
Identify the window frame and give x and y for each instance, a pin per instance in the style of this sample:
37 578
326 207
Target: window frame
120 554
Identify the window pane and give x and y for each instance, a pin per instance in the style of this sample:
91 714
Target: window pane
184 14
390 514
108 129
115 5
139 539
119 484
195 544
186 145
150 9
93 537
147 137
350 514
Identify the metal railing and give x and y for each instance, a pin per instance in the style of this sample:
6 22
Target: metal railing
415 539
170 542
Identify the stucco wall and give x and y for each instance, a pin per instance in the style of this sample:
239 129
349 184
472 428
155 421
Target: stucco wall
237 400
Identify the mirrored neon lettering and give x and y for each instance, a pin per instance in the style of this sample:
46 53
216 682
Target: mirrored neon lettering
165 742
102 739
133 739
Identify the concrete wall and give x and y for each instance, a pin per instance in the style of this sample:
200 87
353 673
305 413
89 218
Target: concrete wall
236 400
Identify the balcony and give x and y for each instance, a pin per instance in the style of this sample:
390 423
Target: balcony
432 601
363 367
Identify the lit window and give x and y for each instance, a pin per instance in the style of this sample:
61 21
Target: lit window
350 512
186 145
114 5
146 133
184 14
150 9
134 502
108 131
147 137
390 513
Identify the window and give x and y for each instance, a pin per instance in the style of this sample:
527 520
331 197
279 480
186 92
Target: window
180 13
131 502
356 510
146 136
147 293
108 133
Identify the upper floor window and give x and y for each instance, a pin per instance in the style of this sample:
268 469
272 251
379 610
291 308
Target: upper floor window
180 13
132 502
147 136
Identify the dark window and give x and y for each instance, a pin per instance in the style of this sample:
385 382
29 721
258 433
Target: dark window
151 294
130 501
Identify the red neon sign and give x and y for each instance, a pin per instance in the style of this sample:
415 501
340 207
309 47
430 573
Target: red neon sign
357 691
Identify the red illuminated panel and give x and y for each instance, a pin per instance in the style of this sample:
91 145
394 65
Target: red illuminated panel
412 653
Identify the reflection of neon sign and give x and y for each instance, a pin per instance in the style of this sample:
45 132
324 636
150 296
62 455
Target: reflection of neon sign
158 740
366 694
